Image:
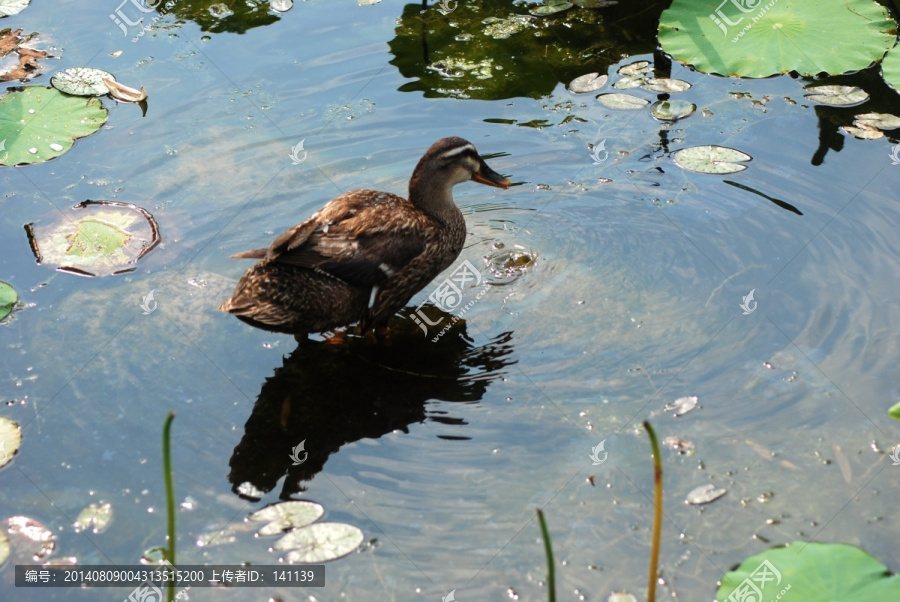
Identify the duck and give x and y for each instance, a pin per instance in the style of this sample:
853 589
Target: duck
360 259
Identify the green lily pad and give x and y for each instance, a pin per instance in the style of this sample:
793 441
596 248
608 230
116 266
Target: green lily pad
811 572
894 411
672 110
12 7
890 68
320 542
40 123
551 9
95 517
8 298
81 81
665 85
711 159
882 121
622 101
590 82
836 96
108 238
758 39
287 515
10 441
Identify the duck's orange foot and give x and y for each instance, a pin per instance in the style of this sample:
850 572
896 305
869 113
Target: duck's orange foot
334 339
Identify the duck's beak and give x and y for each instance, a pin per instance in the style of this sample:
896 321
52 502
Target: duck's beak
486 175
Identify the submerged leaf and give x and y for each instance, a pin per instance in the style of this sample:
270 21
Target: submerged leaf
10 440
8 299
836 96
82 81
287 515
711 159
95 517
704 494
672 110
622 101
320 542
590 82
550 9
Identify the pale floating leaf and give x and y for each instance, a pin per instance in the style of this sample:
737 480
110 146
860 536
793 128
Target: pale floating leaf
682 446
863 133
672 110
836 96
711 159
704 494
590 82
882 121
320 542
682 405
621 597
225 535
636 69
82 81
367 2
12 7
124 93
666 85
628 82
622 101
95 517
8 299
4 547
64 561
287 515
220 10
10 440
550 9
281 6
24 531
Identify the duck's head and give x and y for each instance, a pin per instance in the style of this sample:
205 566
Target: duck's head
449 161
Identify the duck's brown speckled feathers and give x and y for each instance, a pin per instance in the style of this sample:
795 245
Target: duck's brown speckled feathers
364 255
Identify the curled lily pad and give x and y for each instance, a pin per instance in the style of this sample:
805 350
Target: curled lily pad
863 132
320 542
551 9
12 7
8 298
82 81
836 96
33 535
39 124
95 517
622 101
108 238
124 93
711 159
635 69
672 110
590 82
882 121
10 440
704 494
894 411
287 515
665 84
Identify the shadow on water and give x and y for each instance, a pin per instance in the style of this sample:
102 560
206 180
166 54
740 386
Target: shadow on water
328 395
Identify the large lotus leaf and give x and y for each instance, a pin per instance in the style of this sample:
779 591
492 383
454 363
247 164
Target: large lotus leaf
890 68
812 572
8 298
38 124
105 238
759 38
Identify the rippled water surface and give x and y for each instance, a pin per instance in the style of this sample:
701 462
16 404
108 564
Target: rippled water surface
615 288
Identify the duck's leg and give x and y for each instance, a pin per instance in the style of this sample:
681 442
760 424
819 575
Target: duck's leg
337 338
383 334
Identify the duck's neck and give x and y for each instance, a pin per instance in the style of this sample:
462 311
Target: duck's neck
434 198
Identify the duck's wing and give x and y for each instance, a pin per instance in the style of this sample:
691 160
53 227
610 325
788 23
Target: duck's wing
362 238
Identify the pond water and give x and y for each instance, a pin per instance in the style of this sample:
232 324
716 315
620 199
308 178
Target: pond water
629 297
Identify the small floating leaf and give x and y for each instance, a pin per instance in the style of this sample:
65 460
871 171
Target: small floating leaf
281 6
621 597
622 101
636 69
672 110
894 411
95 517
682 446
287 515
4 547
320 542
10 440
704 494
882 121
836 96
590 82
81 81
711 159
628 82
8 298
550 9
666 85
12 7
682 405
27 531
124 93
863 133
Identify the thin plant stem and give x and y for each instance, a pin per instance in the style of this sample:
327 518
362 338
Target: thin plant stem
657 515
170 495
548 548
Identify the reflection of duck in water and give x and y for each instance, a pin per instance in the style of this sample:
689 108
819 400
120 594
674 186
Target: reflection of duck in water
364 255
326 396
